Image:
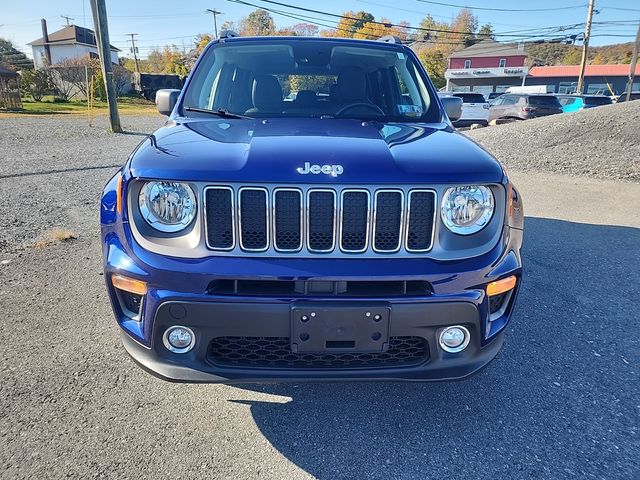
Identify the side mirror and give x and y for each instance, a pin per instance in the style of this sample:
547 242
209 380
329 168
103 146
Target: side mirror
453 107
166 99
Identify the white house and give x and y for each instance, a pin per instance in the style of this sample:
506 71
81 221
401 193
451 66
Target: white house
68 43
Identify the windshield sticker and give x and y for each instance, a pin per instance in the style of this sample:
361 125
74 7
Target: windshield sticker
411 110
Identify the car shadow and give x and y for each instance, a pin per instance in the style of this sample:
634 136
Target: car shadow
557 402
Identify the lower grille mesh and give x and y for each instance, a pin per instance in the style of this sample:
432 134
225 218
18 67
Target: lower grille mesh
275 352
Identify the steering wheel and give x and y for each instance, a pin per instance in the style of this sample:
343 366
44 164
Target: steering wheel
370 106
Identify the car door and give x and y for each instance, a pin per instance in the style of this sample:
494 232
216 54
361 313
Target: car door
495 107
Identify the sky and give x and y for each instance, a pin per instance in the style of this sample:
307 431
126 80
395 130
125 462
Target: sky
162 22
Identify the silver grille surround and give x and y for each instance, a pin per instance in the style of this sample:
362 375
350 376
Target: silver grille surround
338 195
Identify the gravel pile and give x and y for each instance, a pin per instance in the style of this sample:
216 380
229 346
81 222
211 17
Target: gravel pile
602 142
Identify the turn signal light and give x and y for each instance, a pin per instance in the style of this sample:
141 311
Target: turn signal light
129 284
119 196
501 286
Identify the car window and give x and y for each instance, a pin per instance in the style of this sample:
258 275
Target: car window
543 101
566 100
509 100
302 78
471 97
595 101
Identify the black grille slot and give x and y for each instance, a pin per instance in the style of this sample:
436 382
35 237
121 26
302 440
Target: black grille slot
496 302
288 215
275 352
321 220
316 288
388 221
253 219
355 221
219 218
420 228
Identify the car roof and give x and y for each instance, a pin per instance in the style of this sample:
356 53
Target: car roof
338 40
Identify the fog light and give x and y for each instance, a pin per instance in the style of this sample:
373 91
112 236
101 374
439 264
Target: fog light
178 339
454 339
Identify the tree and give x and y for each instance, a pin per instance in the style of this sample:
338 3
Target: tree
486 31
435 63
305 30
372 31
349 24
13 58
35 83
572 57
466 24
258 23
202 40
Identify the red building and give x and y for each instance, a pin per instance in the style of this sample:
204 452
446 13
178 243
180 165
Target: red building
485 67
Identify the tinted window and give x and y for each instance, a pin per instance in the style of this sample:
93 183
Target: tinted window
544 101
594 101
566 100
471 97
276 77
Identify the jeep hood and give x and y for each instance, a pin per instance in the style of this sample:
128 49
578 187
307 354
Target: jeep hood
271 151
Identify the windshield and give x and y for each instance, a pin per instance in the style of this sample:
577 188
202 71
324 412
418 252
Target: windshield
471 97
307 78
595 101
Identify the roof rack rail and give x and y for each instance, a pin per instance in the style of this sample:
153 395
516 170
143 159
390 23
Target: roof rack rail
227 34
390 39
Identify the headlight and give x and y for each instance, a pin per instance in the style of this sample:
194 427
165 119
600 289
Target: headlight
167 206
466 210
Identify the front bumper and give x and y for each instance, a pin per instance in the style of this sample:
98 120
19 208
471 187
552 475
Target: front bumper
178 295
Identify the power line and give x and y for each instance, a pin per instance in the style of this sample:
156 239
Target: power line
356 19
492 9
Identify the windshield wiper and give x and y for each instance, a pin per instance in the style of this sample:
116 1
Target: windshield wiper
221 112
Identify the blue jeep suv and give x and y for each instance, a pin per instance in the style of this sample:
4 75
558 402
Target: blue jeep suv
308 212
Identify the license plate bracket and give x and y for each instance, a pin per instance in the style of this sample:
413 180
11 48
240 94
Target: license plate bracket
344 328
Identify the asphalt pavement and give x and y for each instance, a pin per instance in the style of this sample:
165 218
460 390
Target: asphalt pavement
560 401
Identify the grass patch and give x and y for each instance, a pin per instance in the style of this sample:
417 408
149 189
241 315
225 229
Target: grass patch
126 106
56 235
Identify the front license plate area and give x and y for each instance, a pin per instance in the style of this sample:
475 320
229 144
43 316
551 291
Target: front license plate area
331 328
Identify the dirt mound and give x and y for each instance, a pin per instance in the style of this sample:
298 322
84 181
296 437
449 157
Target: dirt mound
601 142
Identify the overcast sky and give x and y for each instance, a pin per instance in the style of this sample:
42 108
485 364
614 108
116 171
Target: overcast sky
161 22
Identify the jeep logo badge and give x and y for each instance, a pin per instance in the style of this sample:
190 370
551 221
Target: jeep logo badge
333 170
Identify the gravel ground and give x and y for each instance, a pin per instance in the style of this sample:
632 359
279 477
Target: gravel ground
601 142
560 401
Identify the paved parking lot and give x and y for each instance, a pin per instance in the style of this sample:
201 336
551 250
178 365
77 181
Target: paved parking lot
560 401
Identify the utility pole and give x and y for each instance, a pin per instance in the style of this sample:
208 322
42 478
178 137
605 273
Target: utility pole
99 10
634 62
214 13
585 47
134 50
67 19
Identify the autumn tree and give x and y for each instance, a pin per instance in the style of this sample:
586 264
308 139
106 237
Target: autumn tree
464 24
349 24
257 23
486 31
373 30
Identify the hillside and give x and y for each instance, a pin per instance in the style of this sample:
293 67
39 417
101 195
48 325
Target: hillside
559 54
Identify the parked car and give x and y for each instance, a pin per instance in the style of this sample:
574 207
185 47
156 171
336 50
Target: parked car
522 106
623 97
147 84
349 236
475 109
573 103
